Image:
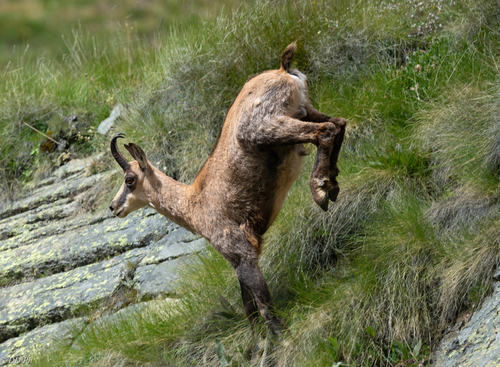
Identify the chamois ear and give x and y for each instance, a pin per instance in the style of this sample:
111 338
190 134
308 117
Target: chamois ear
138 154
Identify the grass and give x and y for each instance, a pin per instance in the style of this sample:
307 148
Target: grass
412 240
42 26
84 58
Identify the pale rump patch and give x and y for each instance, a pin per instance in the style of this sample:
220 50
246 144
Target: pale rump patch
300 80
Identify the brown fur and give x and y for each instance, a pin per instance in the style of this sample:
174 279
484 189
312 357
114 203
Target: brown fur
240 190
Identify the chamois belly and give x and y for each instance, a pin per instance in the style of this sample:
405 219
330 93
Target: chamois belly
288 172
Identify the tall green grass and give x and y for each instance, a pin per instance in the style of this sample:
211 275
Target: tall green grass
47 101
412 240
40 26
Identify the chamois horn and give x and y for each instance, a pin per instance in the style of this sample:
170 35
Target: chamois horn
120 159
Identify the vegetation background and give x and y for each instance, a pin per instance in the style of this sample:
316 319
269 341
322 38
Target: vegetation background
412 241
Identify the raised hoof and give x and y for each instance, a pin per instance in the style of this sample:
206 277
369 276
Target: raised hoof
319 192
323 204
333 193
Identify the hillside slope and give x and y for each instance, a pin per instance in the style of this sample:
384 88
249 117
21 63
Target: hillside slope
412 241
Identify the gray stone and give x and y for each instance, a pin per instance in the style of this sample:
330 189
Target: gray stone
26 227
83 246
22 234
176 244
105 125
496 276
77 165
130 314
477 344
51 193
153 280
54 298
42 337
78 259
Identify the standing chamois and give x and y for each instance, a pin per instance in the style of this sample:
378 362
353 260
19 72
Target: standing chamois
239 191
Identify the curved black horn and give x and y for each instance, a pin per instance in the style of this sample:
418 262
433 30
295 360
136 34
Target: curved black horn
116 153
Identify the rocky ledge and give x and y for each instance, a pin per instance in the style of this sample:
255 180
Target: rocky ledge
58 258
475 340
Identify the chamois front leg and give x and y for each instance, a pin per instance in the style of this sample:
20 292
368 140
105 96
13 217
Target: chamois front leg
243 257
248 303
320 181
325 171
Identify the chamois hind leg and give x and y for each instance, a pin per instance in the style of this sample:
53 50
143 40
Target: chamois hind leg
323 180
285 130
251 278
334 156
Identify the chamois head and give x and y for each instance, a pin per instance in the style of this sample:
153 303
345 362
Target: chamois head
133 194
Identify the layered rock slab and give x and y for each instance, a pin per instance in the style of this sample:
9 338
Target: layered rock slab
84 245
78 259
159 270
177 243
50 194
51 299
477 343
17 350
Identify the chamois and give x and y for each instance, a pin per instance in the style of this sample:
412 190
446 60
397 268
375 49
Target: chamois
239 191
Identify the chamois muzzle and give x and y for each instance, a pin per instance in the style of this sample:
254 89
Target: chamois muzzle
120 159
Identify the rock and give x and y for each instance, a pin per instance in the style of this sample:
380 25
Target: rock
51 299
23 228
478 343
496 276
22 233
76 165
153 280
131 312
105 125
176 244
82 246
158 270
56 257
43 337
50 194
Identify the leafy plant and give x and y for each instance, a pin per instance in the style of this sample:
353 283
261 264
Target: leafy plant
403 354
335 353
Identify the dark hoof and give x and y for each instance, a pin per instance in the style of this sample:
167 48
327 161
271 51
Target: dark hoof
334 193
324 203
319 192
262 355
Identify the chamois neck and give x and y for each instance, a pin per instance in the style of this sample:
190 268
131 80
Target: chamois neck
171 199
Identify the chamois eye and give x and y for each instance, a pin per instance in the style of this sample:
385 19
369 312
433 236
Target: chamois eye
129 180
